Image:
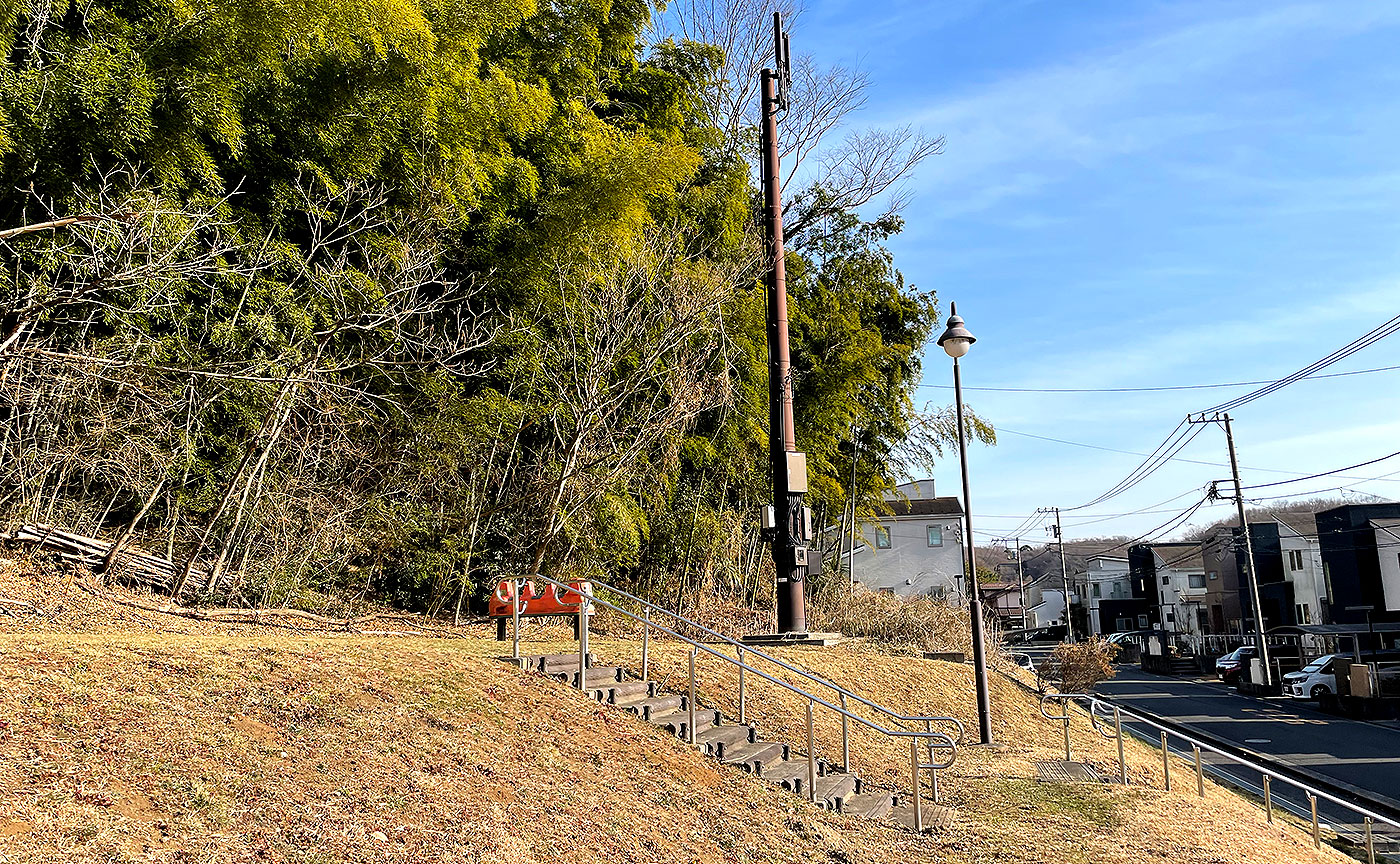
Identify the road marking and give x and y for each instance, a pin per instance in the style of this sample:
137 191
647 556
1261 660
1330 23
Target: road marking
1258 740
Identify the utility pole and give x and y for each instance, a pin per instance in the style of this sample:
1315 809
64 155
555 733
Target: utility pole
1248 552
1064 571
1020 582
1251 576
790 523
854 452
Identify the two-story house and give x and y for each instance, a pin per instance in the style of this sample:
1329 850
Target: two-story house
1182 592
915 549
1361 561
1106 577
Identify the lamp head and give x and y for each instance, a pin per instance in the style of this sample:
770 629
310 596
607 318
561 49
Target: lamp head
956 339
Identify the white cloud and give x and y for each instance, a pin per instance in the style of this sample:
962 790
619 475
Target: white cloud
1116 101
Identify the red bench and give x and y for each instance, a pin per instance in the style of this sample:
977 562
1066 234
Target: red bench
534 604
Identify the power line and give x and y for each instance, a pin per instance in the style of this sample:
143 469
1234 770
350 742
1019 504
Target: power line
1173 459
1149 389
1309 371
1165 528
1326 473
1176 441
1180 437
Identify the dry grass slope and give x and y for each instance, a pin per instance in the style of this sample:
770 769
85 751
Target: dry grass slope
126 743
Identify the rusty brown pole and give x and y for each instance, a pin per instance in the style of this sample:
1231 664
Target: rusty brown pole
787 500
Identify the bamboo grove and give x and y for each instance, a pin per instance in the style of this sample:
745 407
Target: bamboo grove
382 299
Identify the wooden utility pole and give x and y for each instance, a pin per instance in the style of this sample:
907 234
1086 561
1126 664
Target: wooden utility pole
1251 577
789 467
1064 573
1248 553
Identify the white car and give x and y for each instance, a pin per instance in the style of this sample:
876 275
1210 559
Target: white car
1313 680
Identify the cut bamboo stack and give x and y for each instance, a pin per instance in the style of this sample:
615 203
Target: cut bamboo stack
131 565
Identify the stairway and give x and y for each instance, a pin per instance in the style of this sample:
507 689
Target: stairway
731 743
1184 666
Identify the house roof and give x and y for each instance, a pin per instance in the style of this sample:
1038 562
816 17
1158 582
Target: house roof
1387 524
949 506
1180 556
1303 523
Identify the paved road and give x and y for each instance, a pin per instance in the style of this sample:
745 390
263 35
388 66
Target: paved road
1360 755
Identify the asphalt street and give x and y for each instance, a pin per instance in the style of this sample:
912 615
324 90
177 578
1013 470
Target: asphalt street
1363 756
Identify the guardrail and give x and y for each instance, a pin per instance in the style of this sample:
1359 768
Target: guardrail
935 741
1099 709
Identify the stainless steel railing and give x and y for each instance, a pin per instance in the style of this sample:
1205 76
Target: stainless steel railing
808 674
1099 709
934 741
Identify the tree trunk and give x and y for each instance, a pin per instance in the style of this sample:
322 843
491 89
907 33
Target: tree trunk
127 530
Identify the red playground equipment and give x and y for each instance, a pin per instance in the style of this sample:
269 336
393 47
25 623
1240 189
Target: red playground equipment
553 601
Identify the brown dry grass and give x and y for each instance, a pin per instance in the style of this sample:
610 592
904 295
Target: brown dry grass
141 745
915 624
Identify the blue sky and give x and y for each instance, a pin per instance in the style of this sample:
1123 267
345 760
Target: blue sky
1147 194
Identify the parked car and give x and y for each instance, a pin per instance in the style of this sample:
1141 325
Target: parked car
1229 666
1314 680
1023 660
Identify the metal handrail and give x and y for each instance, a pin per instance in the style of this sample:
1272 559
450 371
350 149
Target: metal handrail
1197 745
935 740
805 673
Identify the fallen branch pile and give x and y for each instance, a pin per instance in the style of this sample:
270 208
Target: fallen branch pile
290 619
159 575
131 565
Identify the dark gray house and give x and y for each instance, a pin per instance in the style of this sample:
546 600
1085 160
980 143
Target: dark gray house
1361 561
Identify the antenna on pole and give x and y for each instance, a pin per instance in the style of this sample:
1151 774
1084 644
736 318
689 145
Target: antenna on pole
782 61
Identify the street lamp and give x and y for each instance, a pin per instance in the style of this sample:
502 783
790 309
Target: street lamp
955 341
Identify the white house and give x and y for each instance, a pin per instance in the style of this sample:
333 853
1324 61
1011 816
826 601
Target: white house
917 548
1107 578
1182 588
1047 598
1388 553
1302 566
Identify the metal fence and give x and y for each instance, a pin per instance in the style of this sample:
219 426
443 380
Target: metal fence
941 747
1106 718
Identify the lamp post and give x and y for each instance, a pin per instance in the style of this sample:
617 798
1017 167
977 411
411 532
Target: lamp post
955 341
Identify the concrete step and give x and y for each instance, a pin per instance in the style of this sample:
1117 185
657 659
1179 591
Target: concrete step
720 739
791 775
623 691
678 722
834 789
755 757
596 675
936 817
549 663
656 705
868 805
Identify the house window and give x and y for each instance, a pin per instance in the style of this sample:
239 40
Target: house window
935 535
1307 614
1214 575
1295 559
1142 622
1171 617
1125 624
882 538
1098 591
1166 580
1197 580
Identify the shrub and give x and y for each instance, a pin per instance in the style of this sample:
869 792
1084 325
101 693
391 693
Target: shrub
1077 667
